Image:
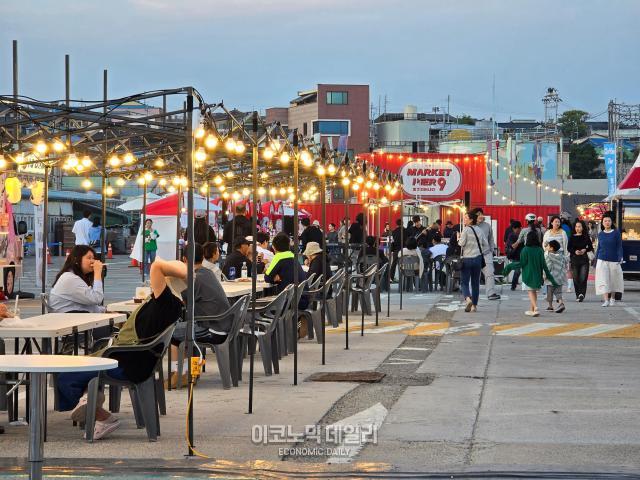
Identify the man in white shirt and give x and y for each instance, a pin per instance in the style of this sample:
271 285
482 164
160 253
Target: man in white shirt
81 229
438 247
262 241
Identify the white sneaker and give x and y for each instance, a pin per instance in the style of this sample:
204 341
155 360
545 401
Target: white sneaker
612 302
532 313
605 303
102 429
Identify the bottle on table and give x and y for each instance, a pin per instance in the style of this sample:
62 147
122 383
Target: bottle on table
243 273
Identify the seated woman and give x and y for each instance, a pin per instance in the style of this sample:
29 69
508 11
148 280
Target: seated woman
313 252
78 286
151 318
410 250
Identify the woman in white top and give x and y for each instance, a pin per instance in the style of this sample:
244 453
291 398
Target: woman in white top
473 243
78 286
555 232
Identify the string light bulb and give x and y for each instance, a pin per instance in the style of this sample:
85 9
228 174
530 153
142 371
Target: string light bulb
320 171
171 189
148 176
58 146
217 180
199 133
3 162
267 154
129 158
230 144
331 169
239 147
120 182
114 161
86 184
72 160
109 191
200 155
162 182
273 191
211 141
86 161
284 158
41 147
159 163
306 159
261 191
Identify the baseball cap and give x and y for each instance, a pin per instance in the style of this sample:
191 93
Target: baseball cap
316 223
530 217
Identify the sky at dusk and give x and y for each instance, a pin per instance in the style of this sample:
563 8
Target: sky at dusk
255 54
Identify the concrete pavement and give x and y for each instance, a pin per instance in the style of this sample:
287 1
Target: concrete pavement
494 390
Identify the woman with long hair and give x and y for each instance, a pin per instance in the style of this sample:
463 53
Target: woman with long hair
579 247
609 278
473 243
555 232
78 285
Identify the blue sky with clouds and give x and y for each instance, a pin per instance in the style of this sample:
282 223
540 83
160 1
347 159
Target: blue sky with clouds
259 53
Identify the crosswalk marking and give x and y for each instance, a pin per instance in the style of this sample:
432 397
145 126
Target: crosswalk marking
586 332
566 327
524 329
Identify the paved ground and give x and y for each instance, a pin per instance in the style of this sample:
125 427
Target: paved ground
463 392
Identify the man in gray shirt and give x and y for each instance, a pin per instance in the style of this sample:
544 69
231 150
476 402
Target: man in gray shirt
489 278
209 300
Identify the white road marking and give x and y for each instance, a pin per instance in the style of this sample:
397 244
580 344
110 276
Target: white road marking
534 327
450 308
595 330
413 348
409 360
368 420
633 312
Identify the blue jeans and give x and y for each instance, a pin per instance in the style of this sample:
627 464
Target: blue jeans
149 257
71 386
470 273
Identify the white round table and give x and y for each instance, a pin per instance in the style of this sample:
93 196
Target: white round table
38 366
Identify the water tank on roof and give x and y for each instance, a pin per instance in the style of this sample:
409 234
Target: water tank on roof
410 112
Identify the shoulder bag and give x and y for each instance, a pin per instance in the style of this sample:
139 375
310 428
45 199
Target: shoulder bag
483 263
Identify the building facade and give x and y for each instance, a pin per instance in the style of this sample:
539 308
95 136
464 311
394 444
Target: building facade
337 115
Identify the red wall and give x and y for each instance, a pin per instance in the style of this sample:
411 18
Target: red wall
503 214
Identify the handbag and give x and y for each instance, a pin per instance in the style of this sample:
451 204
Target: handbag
483 262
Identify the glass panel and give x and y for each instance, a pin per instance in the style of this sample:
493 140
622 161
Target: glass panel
631 222
337 98
331 127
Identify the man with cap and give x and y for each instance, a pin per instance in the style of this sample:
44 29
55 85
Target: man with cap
531 225
240 256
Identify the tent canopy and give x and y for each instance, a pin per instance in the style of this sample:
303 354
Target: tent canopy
136 203
168 205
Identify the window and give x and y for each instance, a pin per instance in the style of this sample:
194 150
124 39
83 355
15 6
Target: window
337 98
305 130
331 127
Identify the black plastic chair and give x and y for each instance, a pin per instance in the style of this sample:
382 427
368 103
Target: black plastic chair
144 399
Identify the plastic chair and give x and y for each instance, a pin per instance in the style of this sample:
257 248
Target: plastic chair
361 288
438 272
267 319
409 266
143 394
224 351
376 287
334 304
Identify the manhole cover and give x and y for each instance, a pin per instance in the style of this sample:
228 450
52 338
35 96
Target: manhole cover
357 377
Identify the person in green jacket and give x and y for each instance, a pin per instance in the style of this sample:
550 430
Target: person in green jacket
532 265
150 244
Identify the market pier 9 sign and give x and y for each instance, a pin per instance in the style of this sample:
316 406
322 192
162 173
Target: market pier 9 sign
431 179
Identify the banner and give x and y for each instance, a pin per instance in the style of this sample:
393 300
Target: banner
38 227
609 151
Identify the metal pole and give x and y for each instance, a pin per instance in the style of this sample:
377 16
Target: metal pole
15 87
347 266
391 263
377 244
296 250
401 245
36 431
254 257
325 292
208 203
144 225
45 231
178 215
103 232
190 258
364 261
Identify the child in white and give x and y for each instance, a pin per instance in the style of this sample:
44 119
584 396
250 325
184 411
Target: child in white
557 263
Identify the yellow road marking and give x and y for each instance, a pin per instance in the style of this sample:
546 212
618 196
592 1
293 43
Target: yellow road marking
508 326
550 332
356 323
632 331
426 329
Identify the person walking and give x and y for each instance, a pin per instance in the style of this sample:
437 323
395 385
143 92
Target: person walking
150 244
579 247
81 228
532 265
473 243
513 253
487 253
609 278
557 263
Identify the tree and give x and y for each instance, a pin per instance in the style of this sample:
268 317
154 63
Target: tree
584 161
573 124
466 120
